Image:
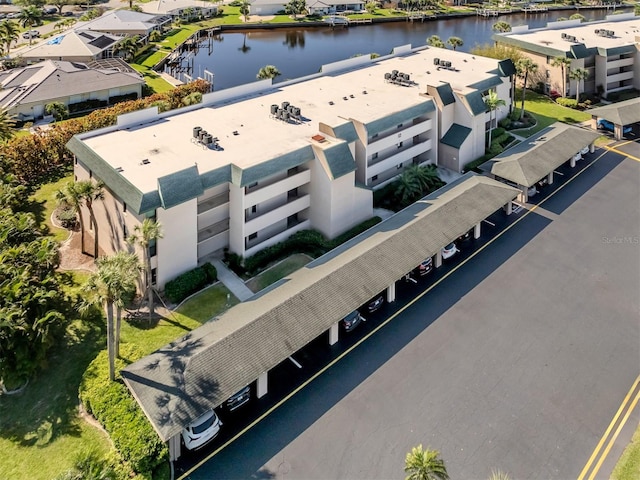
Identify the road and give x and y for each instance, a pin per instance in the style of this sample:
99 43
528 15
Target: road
517 360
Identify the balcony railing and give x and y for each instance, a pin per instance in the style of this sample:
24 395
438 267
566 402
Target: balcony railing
265 219
213 202
263 193
213 230
252 246
394 136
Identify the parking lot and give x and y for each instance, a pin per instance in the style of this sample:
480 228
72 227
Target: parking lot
517 358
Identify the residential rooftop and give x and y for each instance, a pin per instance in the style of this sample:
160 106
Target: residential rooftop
248 135
559 38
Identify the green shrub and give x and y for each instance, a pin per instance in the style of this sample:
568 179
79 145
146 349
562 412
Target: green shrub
497 132
354 232
123 98
86 105
505 123
67 217
113 406
567 102
189 282
473 166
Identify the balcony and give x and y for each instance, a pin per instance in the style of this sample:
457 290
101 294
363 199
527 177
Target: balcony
383 164
263 192
213 202
253 246
213 230
621 62
393 137
619 77
275 215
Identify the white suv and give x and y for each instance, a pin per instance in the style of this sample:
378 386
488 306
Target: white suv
201 430
31 34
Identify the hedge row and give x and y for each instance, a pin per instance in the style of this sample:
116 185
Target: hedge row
311 242
190 282
117 411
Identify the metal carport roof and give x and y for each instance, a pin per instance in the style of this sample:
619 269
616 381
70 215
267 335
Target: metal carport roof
621 113
536 157
199 371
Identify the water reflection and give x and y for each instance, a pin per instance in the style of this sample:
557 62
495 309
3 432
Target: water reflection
294 38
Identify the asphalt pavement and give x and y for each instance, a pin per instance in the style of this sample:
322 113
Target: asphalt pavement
517 360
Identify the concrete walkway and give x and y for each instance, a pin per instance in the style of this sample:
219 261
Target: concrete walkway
232 281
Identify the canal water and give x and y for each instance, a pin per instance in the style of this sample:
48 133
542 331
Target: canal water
236 57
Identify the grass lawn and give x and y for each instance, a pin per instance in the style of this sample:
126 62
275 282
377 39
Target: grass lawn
278 271
628 466
40 431
191 314
546 112
44 204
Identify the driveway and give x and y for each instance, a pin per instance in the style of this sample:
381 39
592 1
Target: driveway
518 360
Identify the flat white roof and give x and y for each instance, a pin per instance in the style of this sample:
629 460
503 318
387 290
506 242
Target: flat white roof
625 31
167 142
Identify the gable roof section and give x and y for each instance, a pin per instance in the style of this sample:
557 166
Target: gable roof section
456 135
180 187
533 159
487 83
284 162
581 51
402 116
621 113
339 160
445 92
474 102
182 380
506 67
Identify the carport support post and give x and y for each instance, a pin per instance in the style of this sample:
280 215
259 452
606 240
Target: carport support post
438 262
476 231
174 448
592 148
334 331
550 178
508 208
391 293
617 131
572 162
261 389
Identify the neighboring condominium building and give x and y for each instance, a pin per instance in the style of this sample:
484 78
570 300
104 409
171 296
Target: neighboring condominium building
607 49
254 164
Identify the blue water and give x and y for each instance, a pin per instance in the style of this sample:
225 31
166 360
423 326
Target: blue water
236 57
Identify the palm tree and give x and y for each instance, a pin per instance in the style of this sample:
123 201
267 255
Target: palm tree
9 32
128 45
58 109
70 196
455 42
268 71
563 63
108 287
155 36
501 27
7 124
492 102
30 17
90 192
424 465
434 41
577 16
245 10
525 66
579 75
498 475
144 235
409 188
192 99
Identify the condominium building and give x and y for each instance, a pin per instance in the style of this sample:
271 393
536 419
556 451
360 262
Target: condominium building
252 165
607 49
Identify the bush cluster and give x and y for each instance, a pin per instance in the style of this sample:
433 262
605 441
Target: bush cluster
86 105
67 217
113 406
567 102
311 242
190 282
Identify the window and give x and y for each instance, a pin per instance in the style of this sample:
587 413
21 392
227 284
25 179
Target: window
124 208
154 276
292 194
124 231
292 220
253 236
374 156
90 174
75 159
153 248
292 171
399 126
254 209
399 145
399 166
374 178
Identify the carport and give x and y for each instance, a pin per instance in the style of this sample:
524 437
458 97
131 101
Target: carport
621 114
199 371
536 158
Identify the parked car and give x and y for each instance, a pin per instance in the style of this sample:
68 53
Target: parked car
31 34
202 430
542 183
238 399
425 267
49 10
374 304
351 321
465 239
607 125
585 150
449 251
532 191
67 14
13 15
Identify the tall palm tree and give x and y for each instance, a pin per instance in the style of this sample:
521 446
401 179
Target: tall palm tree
30 17
579 75
525 66
501 27
268 71
563 63
492 102
455 42
70 196
107 287
90 192
435 41
424 465
409 188
9 32
128 45
7 124
143 235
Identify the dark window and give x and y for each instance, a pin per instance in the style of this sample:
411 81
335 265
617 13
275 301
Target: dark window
253 236
154 276
399 166
400 125
153 248
124 207
292 220
124 231
90 174
254 209
374 156
374 178
292 193
292 171
400 145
